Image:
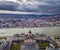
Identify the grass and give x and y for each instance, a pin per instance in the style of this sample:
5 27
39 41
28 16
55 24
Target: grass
16 46
43 45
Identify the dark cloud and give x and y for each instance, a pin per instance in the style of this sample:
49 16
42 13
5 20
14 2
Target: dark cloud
42 6
8 5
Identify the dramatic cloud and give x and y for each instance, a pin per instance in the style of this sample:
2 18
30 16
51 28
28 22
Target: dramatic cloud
38 6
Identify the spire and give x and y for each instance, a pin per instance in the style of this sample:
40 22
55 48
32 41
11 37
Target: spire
30 32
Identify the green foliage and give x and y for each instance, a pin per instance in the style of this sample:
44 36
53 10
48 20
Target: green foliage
16 46
43 45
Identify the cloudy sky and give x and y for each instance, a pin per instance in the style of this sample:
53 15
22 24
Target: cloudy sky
30 6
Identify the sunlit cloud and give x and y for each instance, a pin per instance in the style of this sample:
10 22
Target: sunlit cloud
15 12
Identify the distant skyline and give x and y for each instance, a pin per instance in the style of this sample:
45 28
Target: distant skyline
30 6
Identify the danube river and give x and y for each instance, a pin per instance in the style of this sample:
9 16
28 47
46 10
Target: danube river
50 31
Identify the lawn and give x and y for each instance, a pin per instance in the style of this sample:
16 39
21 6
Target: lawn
16 46
43 45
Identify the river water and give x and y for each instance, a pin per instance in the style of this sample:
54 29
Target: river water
51 31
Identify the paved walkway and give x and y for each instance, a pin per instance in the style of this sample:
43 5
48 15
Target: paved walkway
29 47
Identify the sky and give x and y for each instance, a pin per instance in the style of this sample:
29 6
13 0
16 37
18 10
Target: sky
30 6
